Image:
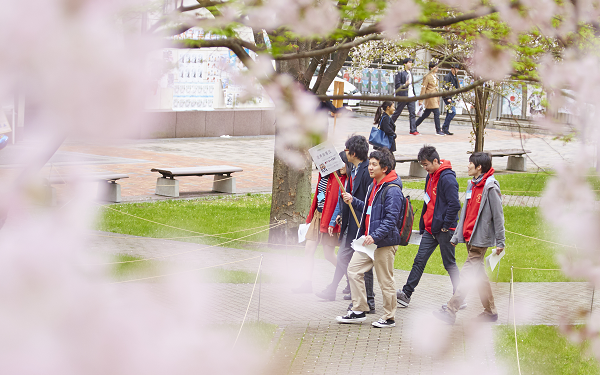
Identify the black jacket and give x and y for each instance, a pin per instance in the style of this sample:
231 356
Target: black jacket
400 83
447 205
450 83
389 128
362 181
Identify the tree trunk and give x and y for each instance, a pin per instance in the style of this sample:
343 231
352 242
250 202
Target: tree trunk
481 96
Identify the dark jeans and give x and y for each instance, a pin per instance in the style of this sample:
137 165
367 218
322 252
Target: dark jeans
449 117
343 259
436 118
411 114
428 244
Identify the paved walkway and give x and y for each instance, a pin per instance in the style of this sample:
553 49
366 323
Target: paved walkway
255 156
309 340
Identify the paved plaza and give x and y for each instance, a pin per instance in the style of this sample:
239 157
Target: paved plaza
308 340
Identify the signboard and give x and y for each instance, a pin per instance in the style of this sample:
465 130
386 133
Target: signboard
326 158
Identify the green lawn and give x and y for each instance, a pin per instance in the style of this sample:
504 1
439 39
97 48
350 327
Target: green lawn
542 350
228 214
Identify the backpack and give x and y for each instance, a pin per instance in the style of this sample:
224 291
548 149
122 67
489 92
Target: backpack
406 219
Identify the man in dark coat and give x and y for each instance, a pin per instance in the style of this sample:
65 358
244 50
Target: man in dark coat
450 83
439 217
357 151
404 85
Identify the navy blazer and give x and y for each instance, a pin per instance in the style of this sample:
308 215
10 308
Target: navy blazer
447 204
383 221
400 81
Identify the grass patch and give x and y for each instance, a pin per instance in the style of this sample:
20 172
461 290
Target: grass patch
260 334
220 275
134 269
542 350
213 215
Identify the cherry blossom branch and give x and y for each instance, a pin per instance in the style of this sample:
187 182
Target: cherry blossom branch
326 51
392 98
182 9
227 43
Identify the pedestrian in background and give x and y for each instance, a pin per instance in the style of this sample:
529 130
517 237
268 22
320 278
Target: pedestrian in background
450 83
386 124
404 86
432 105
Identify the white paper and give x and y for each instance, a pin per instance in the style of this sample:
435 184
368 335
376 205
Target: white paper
415 238
493 259
302 230
326 158
357 245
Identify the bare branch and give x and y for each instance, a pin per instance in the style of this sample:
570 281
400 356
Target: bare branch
326 51
193 43
405 98
201 4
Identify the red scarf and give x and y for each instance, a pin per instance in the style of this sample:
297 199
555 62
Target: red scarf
473 205
432 192
389 178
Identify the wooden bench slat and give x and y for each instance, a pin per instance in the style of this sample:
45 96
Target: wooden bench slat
506 152
92 177
404 159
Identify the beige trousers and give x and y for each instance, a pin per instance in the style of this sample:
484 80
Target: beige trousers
384 268
473 274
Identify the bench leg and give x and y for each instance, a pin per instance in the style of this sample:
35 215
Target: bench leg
416 170
224 184
109 191
167 187
516 163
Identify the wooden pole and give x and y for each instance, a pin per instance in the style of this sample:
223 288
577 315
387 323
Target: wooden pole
338 89
344 191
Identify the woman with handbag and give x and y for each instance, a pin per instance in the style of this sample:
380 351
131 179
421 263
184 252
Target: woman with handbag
321 211
386 125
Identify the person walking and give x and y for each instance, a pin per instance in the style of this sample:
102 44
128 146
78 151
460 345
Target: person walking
438 221
386 124
481 226
321 210
432 105
404 86
357 152
381 211
450 83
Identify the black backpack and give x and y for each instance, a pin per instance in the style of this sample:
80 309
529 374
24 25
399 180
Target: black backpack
406 219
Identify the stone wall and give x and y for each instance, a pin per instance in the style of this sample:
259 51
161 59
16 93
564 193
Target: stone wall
190 124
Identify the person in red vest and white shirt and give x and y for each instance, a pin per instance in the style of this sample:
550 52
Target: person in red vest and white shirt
481 225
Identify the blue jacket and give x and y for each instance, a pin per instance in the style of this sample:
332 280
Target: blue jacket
384 217
447 205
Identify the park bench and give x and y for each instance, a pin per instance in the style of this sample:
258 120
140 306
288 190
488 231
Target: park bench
516 160
109 190
223 182
415 170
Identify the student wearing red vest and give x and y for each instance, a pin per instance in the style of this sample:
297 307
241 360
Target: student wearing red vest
438 221
481 226
321 210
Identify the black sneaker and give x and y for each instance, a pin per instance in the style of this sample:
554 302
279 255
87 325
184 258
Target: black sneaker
402 299
441 134
346 290
448 133
444 315
352 317
326 294
347 297
486 317
384 323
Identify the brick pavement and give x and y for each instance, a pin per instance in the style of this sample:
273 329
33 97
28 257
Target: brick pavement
311 341
255 156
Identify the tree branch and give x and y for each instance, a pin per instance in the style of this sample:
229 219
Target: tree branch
326 51
392 98
227 43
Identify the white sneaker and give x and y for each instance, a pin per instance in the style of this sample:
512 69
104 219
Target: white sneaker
384 323
462 307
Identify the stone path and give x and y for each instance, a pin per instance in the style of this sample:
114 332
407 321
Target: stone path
310 341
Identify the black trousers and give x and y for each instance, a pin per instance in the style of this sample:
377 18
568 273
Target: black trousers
436 118
428 245
411 114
